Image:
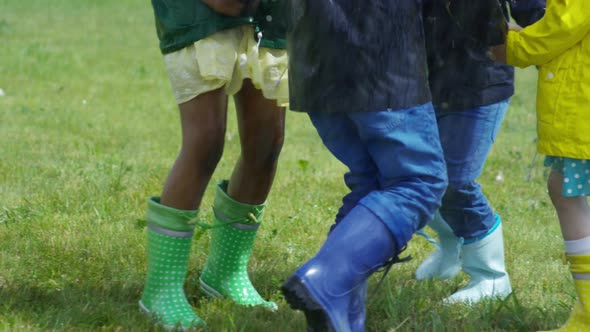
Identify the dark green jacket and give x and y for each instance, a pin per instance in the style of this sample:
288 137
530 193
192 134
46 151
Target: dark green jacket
180 23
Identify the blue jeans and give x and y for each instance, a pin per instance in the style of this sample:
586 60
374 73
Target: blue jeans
395 161
466 137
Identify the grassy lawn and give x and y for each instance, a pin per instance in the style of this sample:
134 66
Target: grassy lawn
89 129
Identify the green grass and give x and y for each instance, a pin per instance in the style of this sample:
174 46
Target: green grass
89 130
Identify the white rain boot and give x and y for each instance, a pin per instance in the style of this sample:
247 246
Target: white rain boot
483 261
444 262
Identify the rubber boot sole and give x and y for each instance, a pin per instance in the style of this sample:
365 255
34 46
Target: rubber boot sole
299 298
201 326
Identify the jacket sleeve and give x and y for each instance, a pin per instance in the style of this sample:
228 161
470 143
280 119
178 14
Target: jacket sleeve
566 23
526 12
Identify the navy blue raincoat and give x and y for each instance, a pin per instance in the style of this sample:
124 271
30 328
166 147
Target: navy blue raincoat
356 55
462 76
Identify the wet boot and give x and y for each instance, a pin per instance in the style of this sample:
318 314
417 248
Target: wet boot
232 237
169 237
580 317
445 260
483 261
331 287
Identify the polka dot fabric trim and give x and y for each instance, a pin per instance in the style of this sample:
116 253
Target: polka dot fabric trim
163 296
576 175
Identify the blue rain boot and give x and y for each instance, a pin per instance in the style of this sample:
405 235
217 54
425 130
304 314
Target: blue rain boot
445 260
357 310
483 261
331 287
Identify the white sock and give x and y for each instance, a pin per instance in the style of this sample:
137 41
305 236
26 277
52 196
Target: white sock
578 247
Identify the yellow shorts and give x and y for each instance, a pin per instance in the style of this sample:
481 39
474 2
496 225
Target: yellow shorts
225 59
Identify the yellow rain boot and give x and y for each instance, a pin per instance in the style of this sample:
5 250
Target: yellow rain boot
580 317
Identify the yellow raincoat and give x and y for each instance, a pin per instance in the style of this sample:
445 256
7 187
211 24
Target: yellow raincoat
559 44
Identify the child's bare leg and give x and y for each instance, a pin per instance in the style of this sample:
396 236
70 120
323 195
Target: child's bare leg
573 212
574 218
203 121
261 124
239 206
168 217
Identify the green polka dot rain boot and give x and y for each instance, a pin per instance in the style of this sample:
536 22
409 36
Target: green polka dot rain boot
232 236
168 248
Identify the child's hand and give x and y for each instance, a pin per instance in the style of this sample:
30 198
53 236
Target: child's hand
498 53
232 7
